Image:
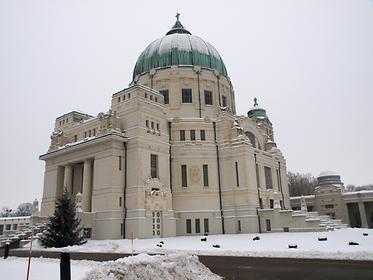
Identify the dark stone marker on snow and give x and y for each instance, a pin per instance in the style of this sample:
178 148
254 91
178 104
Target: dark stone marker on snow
161 242
216 246
6 250
206 234
293 246
353 243
204 239
256 238
65 270
322 238
365 234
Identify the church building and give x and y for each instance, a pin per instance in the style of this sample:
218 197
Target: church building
171 157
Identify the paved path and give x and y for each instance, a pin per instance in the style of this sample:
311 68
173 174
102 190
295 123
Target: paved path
240 268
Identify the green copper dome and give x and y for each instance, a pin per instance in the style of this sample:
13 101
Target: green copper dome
179 47
257 111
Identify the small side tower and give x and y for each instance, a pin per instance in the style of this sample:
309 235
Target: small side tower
263 123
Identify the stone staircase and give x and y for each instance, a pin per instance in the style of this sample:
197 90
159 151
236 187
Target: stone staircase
331 224
326 222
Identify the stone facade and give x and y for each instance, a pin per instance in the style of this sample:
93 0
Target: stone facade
171 157
330 198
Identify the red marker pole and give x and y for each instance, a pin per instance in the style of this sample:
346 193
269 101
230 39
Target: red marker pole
132 243
30 253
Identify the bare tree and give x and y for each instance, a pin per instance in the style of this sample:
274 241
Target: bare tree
6 212
24 209
353 188
301 184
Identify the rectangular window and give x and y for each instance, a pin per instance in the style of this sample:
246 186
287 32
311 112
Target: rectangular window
94 132
165 96
329 206
152 125
75 138
278 179
154 166
268 177
89 133
239 226
120 201
260 203
208 97
193 135
7 227
206 225
85 134
120 162
198 225
124 97
158 126
14 226
118 99
257 175
184 182
147 123
224 100
188 226
205 175
203 135
186 95
182 135
271 203
268 224
129 95
237 176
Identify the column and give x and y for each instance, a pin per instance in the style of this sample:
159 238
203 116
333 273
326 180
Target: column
87 186
67 180
363 215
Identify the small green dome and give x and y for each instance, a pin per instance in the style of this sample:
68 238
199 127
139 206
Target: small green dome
179 47
257 111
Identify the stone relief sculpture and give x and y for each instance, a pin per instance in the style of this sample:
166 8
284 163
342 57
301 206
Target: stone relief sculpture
108 122
58 139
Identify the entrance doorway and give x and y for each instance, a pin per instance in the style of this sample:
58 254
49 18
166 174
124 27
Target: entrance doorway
157 222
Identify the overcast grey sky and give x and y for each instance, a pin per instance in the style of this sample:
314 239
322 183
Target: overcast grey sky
310 64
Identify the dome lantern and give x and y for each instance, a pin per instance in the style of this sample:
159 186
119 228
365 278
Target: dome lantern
178 27
257 111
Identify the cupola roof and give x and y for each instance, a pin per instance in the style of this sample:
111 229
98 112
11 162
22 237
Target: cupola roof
179 47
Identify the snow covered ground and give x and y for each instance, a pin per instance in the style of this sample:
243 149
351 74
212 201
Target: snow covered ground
270 245
143 267
41 269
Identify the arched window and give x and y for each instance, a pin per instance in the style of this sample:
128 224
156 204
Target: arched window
251 137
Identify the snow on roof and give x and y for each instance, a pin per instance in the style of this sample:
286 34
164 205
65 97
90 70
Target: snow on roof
328 173
15 218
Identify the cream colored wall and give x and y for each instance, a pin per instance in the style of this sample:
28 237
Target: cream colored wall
131 108
175 78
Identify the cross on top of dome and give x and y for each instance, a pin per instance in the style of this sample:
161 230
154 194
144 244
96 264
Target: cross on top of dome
255 101
178 27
